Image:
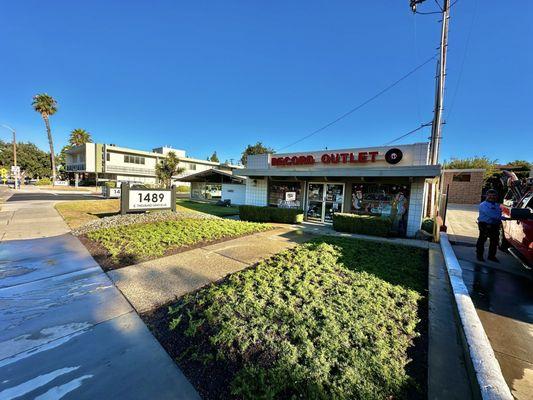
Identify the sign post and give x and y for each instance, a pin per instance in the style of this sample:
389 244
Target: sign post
142 200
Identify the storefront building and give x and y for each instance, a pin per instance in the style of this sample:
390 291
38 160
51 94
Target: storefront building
383 181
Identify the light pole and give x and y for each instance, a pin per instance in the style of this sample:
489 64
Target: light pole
14 151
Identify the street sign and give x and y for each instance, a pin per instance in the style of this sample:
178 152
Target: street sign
133 200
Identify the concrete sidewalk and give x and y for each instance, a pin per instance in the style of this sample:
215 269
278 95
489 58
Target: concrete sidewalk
67 332
150 284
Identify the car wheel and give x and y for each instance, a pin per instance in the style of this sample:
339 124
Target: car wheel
503 244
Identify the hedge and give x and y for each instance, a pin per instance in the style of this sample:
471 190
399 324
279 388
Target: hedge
44 182
363 224
271 214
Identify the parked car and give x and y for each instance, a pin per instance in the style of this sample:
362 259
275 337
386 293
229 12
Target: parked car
516 233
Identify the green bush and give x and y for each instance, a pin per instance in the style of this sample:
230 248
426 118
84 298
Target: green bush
271 214
44 182
427 225
362 224
183 189
111 184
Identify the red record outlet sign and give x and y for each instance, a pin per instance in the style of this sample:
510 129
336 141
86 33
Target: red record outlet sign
392 156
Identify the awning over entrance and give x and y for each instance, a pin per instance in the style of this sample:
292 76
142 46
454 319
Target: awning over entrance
426 171
212 175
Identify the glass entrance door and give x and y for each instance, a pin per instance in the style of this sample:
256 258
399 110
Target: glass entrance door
334 200
324 200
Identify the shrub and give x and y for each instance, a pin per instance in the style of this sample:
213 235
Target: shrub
183 189
111 184
363 224
427 225
44 182
271 214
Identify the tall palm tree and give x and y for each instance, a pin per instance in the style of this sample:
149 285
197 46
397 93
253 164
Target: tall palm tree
79 136
47 106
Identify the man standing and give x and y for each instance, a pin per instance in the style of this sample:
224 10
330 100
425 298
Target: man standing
489 220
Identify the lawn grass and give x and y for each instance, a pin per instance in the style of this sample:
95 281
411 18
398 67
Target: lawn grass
335 318
129 244
79 212
205 207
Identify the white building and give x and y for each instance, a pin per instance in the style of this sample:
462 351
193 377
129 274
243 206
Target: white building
107 162
384 181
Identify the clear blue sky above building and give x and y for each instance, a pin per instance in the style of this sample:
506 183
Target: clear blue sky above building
206 75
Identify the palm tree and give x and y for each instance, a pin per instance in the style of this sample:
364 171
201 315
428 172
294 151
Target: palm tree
47 106
79 136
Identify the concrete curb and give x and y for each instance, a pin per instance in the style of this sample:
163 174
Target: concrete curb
485 368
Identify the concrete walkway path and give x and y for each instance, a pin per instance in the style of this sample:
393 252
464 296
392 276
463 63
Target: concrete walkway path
150 284
67 332
503 296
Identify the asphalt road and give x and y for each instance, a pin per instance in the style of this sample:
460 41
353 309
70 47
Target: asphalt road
43 196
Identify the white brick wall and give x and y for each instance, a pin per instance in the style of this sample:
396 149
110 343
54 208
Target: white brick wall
256 192
416 206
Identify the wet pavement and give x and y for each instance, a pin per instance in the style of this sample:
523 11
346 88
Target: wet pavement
503 296
67 332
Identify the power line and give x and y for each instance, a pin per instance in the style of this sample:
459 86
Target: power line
409 133
360 105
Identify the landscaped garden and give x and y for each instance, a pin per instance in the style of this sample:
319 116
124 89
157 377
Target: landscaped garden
206 207
335 318
127 244
79 212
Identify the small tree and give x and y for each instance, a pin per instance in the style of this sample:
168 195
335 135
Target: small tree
167 168
214 157
47 106
257 148
79 137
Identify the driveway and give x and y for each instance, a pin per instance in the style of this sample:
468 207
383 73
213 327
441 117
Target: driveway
503 296
67 332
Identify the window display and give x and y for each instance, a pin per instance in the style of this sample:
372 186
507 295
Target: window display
285 194
386 200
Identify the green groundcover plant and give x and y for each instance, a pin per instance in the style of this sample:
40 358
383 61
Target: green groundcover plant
143 241
330 319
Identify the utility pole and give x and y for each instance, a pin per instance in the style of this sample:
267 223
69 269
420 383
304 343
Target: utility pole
436 127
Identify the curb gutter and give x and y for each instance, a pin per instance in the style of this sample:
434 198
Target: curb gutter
485 368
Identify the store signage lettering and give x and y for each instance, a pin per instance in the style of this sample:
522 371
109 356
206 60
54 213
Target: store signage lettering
327 158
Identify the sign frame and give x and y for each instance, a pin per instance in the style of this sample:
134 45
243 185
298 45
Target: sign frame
125 199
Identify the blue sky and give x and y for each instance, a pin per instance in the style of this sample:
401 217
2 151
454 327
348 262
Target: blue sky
206 76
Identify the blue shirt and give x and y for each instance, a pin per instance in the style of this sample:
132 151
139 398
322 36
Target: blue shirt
490 213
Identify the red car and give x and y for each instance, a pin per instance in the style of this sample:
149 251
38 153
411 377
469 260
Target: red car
516 233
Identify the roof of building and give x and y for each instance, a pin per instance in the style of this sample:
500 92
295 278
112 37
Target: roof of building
213 175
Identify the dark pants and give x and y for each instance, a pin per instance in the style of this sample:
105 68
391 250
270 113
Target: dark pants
491 231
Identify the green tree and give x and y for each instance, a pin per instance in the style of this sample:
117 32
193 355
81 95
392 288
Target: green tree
33 162
520 167
47 106
167 168
257 148
490 166
79 137
214 157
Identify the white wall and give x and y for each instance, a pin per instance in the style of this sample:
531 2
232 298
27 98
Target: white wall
416 206
256 192
234 192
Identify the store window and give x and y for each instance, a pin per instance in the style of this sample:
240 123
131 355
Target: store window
385 200
206 191
285 194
